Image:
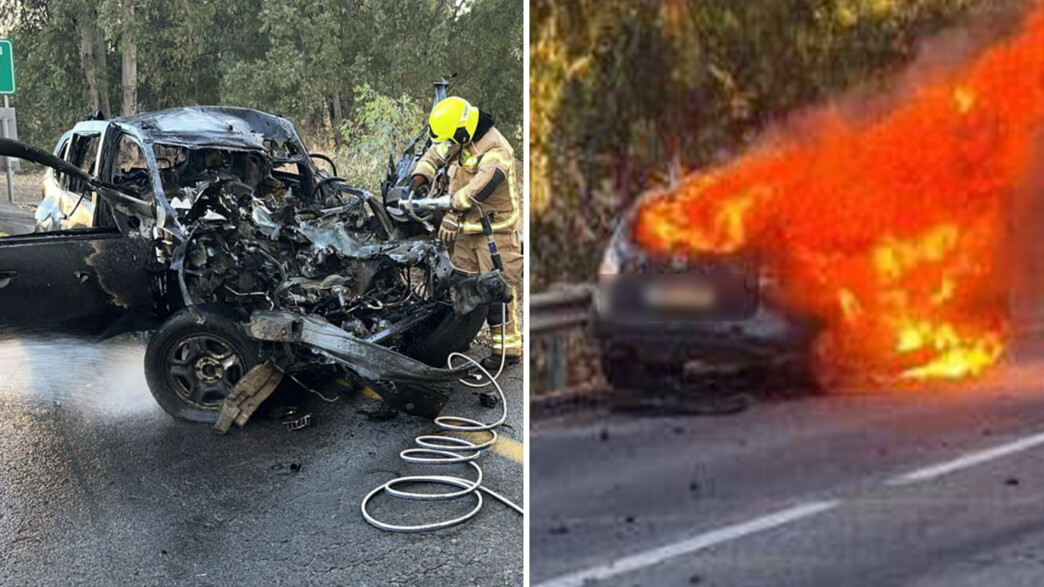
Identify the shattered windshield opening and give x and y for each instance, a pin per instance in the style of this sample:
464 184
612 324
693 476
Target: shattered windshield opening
185 174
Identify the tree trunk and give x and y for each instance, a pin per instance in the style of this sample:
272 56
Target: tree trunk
93 59
336 118
101 61
84 30
129 49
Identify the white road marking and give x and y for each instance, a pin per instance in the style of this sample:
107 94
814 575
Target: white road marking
968 460
690 546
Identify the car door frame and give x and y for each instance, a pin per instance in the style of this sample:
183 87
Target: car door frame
76 213
95 281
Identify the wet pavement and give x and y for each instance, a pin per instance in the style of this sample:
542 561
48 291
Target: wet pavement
98 486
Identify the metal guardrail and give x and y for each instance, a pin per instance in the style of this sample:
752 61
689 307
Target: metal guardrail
553 315
560 309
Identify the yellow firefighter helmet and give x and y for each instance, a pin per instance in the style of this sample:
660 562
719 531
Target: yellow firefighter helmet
453 118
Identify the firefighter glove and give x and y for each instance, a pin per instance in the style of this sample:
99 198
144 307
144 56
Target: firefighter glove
449 227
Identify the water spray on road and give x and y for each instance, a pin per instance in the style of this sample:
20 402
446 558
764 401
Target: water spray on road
97 378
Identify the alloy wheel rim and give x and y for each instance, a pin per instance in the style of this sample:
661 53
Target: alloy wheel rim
203 369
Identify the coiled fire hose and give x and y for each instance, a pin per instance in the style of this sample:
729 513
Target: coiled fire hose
449 450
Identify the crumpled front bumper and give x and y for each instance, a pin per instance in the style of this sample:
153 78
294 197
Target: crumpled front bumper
372 361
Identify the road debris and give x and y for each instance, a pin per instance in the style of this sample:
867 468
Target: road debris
298 423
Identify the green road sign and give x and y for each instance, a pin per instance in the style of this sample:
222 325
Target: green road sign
7 81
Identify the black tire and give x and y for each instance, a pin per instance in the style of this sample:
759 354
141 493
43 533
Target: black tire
625 371
447 333
799 379
192 367
628 375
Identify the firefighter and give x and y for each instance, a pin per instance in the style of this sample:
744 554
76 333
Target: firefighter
482 171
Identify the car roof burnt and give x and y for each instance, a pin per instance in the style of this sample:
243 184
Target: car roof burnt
201 126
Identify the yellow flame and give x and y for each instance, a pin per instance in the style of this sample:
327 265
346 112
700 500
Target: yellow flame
955 356
945 292
963 361
729 221
850 307
964 99
893 258
948 350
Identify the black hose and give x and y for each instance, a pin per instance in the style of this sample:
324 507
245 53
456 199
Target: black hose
487 229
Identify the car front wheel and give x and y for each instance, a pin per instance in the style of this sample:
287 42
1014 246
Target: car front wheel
191 367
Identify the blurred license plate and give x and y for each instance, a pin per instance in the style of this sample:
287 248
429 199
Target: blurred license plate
681 296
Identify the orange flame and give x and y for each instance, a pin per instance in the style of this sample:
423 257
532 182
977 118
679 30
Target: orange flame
892 231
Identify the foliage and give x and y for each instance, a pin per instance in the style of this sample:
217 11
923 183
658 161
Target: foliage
381 125
312 62
625 94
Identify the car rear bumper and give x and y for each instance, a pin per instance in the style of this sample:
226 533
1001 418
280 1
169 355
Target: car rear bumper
765 338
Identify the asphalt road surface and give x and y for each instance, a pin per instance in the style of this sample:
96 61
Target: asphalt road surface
18 217
15 219
98 486
916 488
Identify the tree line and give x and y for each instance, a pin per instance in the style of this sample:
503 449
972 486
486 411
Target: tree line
341 70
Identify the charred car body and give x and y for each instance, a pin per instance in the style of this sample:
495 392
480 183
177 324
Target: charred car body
214 228
663 321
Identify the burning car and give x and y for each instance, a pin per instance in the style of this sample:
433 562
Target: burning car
900 233
664 320
213 229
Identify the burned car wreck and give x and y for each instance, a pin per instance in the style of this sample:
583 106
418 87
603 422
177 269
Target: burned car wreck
215 230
